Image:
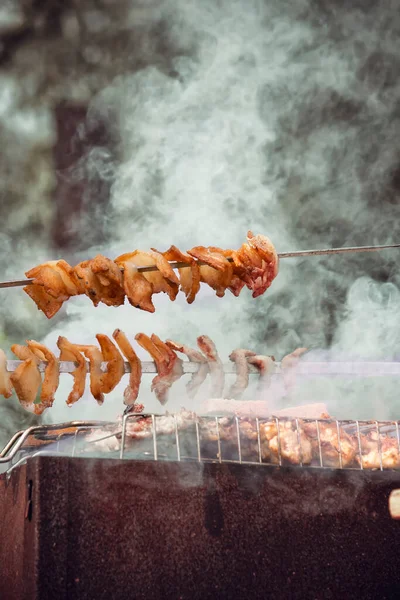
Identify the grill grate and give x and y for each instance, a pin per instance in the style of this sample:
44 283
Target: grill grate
279 441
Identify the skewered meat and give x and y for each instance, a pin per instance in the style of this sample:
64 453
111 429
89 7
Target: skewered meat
5 382
70 351
132 390
57 279
200 375
26 381
168 365
189 278
266 367
44 301
111 279
149 283
51 372
115 363
240 358
209 350
95 357
217 272
169 369
255 265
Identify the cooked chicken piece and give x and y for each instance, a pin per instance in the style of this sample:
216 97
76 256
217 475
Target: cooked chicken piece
290 448
266 367
26 381
132 390
70 351
139 287
44 301
217 272
288 366
256 263
95 358
88 282
111 279
168 365
289 444
208 348
196 357
336 450
138 290
51 373
56 277
115 363
240 357
374 449
189 277
5 381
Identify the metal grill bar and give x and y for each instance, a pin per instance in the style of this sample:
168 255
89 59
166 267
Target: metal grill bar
356 444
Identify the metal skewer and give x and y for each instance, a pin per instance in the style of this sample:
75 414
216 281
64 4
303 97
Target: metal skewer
295 254
305 368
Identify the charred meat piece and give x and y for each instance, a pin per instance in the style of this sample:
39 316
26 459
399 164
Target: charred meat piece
132 390
168 365
196 357
209 350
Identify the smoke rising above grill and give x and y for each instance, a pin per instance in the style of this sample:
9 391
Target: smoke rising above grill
278 118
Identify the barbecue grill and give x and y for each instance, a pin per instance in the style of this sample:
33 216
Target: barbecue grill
94 510
184 506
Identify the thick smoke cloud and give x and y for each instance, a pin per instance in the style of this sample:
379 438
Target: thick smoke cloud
273 116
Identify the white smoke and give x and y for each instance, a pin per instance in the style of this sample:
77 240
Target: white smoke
264 122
